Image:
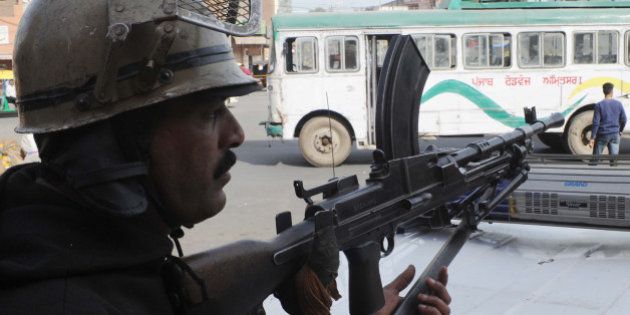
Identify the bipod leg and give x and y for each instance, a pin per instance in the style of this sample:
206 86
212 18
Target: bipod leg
444 257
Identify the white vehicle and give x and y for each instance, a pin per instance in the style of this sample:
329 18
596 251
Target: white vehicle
488 61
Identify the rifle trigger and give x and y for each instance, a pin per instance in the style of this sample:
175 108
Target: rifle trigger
283 221
387 245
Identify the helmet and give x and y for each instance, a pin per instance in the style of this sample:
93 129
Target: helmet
79 62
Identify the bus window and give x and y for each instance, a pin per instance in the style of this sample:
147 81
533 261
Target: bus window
381 51
607 47
424 42
602 43
487 50
333 53
342 53
301 54
351 53
532 45
272 58
444 51
584 48
628 48
553 50
529 50
438 50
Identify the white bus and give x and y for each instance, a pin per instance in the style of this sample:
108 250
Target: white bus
487 61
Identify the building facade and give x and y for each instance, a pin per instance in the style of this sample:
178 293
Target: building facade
253 51
10 13
409 5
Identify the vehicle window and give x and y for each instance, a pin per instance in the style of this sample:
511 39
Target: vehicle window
584 48
438 50
301 54
607 47
628 48
595 47
381 51
553 49
351 53
531 46
445 51
342 53
424 42
333 51
487 50
272 58
529 49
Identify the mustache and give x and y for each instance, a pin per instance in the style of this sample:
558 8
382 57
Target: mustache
228 160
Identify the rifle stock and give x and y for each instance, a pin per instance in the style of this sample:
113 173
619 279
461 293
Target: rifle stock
239 276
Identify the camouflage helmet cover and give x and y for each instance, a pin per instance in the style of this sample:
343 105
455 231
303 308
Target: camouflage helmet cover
78 62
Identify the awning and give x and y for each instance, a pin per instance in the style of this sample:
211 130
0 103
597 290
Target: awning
251 40
6 74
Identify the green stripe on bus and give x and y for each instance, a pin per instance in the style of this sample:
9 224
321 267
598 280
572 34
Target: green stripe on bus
486 104
454 18
467 4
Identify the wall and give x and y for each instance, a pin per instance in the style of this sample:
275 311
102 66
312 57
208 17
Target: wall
10 14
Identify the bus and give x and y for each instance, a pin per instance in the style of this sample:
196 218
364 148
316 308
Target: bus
488 60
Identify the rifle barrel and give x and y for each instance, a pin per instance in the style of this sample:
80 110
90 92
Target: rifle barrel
487 146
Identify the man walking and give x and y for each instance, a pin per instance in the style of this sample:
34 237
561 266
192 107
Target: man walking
608 123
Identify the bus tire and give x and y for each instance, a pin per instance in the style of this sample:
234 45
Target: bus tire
578 134
317 145
552 140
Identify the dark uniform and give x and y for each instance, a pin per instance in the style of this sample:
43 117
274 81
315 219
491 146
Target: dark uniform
58 257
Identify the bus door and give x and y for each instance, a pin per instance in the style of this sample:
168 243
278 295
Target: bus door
376 49
344 84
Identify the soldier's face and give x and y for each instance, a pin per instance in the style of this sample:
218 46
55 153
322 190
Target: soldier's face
191 156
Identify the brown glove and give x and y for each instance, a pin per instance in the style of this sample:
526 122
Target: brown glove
312 289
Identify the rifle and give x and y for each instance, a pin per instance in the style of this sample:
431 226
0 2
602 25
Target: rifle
403 186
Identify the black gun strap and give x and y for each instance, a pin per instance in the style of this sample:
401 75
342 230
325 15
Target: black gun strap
173 271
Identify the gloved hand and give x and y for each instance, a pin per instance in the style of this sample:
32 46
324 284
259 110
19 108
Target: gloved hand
312 289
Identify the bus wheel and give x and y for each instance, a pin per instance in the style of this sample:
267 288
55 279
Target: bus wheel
552 140
323 139
578 133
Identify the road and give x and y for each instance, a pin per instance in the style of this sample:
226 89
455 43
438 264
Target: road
541 270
